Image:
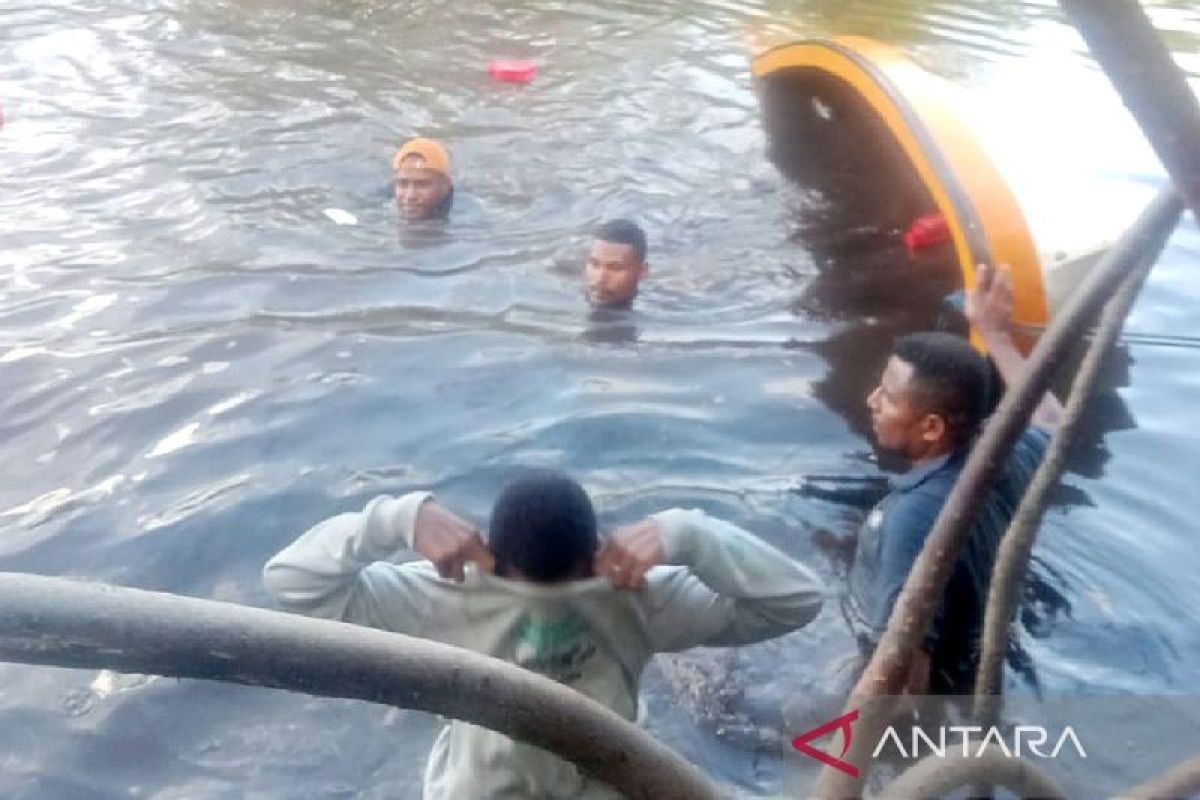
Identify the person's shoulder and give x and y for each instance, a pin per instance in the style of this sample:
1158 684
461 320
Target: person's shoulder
416 575
934 487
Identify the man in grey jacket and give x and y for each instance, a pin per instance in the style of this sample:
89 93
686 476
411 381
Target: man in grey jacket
547 593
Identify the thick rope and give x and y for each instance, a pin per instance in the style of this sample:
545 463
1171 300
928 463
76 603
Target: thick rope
72 624
936 776
1012 558
1153 87
1182 780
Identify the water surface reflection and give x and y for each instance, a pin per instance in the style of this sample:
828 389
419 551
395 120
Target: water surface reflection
198 364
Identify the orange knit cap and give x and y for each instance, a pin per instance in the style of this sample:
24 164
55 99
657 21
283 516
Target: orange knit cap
435 156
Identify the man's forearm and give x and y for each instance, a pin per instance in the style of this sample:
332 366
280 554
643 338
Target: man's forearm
989 310
733 562
1011 363
316 573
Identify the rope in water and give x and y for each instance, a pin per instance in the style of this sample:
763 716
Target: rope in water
67 623
1139 248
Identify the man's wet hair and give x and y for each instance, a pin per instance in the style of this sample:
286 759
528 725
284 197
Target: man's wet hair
543 525
950 379
624 231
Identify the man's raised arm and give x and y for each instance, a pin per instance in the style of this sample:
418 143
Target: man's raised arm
989 310
346 568
722 586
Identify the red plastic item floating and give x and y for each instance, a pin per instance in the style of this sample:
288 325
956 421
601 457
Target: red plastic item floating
927 231
512 71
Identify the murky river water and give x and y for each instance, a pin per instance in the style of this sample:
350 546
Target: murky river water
197 364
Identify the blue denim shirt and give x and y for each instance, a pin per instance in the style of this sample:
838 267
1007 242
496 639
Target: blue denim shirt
894 533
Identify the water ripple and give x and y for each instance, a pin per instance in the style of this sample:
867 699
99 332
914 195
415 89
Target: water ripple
198 363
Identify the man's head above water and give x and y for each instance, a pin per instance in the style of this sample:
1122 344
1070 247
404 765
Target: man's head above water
543 529
932 397
616 264
421 180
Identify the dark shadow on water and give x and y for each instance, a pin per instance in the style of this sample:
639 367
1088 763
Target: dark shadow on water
422 232
1105 413
611 326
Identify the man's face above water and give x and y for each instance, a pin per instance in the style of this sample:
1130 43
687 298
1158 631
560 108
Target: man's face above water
899 419
419 191
613 272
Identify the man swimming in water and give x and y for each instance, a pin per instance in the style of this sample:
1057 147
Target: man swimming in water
421 180
930 403
545 591
616 264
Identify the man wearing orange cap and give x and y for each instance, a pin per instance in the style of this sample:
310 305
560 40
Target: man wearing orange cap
421 180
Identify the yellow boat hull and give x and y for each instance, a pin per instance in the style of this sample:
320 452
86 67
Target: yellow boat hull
984 219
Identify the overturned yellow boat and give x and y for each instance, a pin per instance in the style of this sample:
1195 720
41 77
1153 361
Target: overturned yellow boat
894 128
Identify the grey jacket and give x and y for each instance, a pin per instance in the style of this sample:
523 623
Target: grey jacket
725 587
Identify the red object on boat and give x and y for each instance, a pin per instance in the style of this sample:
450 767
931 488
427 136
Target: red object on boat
927 231
512 71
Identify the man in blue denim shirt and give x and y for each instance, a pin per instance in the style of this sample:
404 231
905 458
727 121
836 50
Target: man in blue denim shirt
929 405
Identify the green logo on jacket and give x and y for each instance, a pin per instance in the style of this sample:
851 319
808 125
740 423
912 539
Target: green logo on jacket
557 648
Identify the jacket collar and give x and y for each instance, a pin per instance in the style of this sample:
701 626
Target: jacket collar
918 474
